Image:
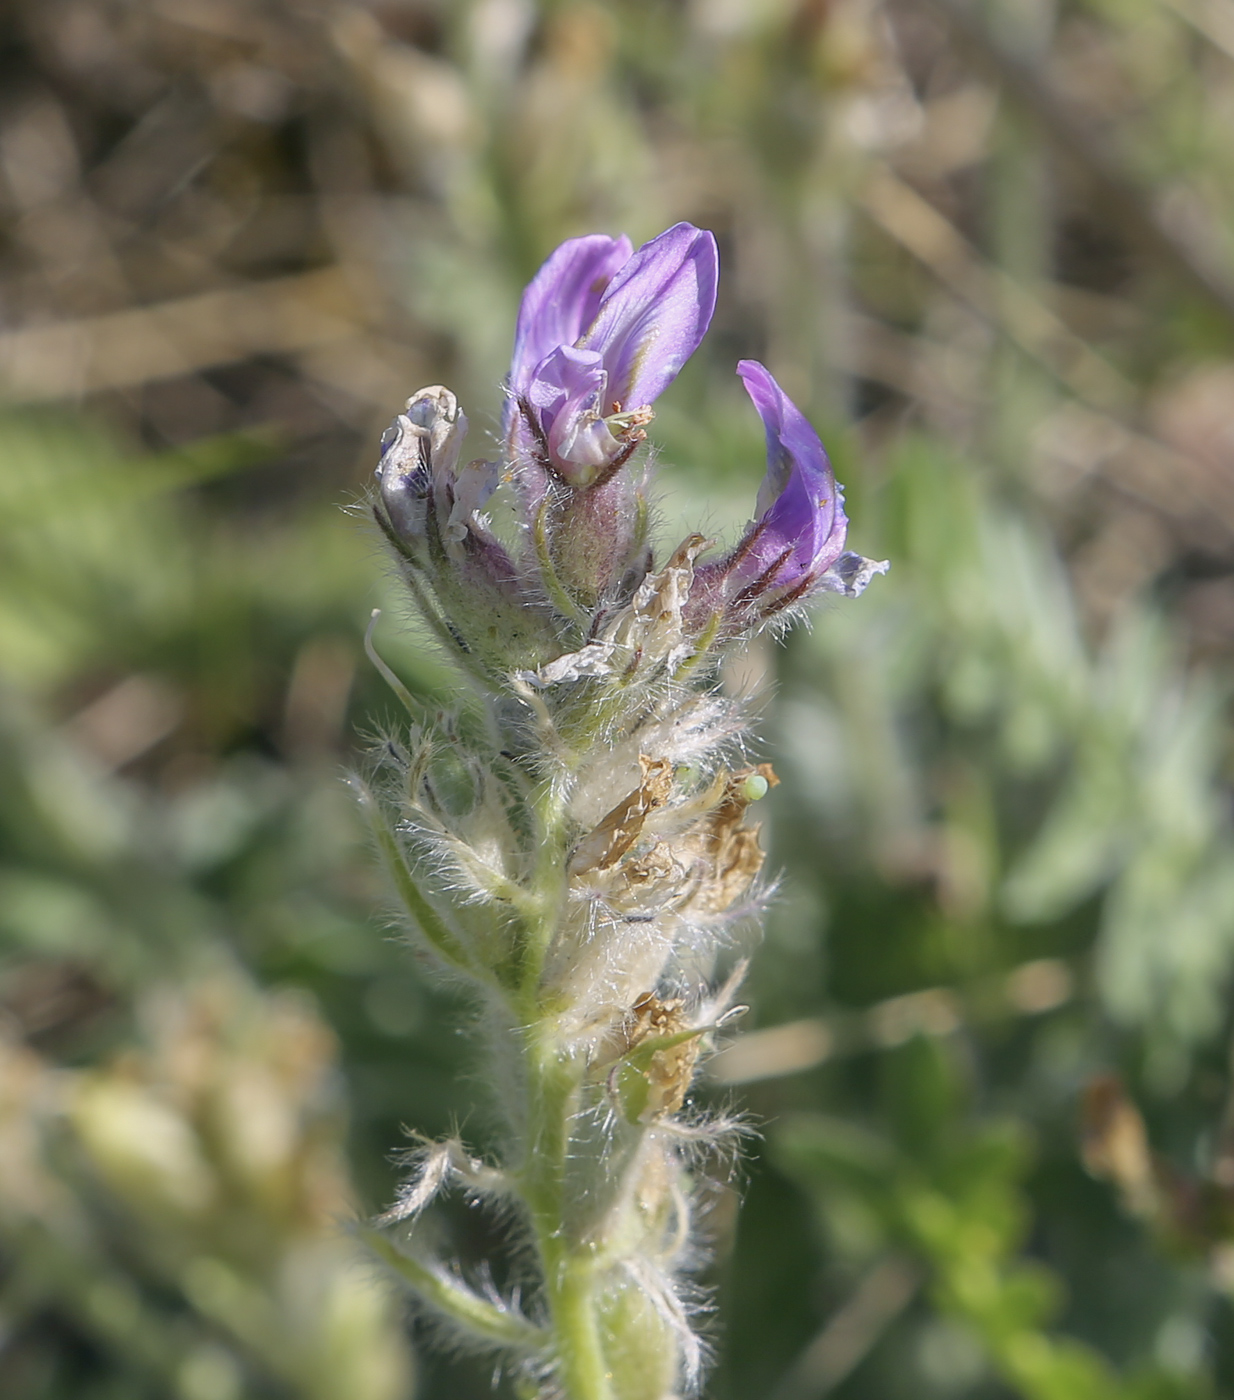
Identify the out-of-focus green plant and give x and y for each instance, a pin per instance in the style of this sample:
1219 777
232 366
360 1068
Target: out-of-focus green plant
995 795
178 1205
1118 746
181 1204
947 1197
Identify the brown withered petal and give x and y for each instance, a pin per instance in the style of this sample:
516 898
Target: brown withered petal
1115 1144
735 863
651 880
670 1070
652 626
669 1077
727 852
607 842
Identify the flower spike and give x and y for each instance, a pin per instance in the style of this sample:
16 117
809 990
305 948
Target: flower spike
574 842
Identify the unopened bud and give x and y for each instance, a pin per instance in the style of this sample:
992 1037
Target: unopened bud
430 507
418 453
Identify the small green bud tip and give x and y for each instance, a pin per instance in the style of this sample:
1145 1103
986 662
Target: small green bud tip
754 787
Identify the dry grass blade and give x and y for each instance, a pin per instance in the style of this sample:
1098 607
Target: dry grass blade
1074 141
912 221
129 348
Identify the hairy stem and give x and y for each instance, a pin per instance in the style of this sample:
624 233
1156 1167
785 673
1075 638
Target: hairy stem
554 1081
569 1269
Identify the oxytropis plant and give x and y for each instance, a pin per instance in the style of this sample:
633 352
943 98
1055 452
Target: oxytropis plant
573 843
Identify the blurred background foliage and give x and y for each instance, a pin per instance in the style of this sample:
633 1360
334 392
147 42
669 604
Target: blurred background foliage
988 244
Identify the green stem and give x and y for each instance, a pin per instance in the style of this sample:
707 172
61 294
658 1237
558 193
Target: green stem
569 1265
554 1080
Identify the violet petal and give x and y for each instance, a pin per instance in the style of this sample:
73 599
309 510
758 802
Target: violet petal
654 313
800 512
562 300
567 393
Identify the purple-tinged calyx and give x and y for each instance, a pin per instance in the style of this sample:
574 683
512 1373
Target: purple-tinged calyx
601 333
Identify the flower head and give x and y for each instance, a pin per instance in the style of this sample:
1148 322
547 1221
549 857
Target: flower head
601 333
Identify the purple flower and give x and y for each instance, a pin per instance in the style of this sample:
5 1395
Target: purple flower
602 332
795 546
799 530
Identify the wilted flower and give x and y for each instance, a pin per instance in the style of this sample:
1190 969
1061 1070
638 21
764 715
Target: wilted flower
419 455
601 333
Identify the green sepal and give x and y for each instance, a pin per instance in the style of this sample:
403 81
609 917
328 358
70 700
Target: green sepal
438 1288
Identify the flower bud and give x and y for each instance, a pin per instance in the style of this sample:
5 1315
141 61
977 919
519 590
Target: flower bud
430 509
418 454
